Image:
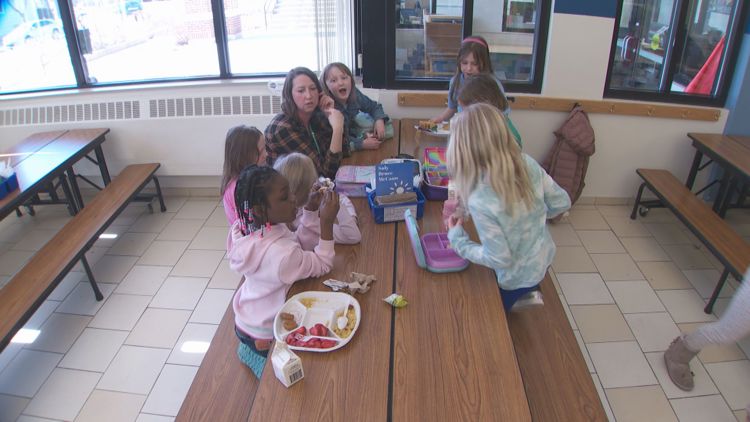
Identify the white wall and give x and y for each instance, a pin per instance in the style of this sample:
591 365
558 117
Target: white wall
191 149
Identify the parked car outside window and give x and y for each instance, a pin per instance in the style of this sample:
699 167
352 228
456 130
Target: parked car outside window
38 30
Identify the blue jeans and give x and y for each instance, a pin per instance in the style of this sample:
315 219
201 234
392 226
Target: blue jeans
511 296
249 342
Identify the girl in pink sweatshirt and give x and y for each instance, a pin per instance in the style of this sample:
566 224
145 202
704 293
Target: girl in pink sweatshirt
244 145
300 171
262 248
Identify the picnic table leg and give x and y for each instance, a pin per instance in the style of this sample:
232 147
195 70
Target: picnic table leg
72 205
694 169
90 275
159 194
74 187
102 164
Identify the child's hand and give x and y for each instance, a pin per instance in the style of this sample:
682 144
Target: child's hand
314 198
454 220
380 129
329 208
371 142
325 102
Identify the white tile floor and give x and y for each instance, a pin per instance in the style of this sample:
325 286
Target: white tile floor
628 289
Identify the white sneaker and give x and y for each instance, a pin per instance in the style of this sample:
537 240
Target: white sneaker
529 300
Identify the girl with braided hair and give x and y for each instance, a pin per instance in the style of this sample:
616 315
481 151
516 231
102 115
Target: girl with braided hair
262 248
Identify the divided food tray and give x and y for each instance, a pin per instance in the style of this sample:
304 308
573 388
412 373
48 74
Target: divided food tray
311 308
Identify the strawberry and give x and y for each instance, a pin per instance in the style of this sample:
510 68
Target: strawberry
327 344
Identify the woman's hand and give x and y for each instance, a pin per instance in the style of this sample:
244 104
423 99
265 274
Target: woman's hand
325 102
380 129
371 142
335 118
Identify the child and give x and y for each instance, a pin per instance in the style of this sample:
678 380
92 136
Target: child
367 123
299 170
267 254
509 196
731 327
244 145
482 88
473 58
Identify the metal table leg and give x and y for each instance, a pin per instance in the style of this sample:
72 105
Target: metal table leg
102 164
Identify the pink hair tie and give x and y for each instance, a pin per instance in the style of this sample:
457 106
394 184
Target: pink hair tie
476 40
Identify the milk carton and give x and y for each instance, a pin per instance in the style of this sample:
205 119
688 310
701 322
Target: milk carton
286 365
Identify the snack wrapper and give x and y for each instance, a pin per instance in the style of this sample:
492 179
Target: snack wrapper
326 184
396 300
360 283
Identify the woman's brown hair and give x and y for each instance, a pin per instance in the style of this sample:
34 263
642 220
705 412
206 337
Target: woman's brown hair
287 101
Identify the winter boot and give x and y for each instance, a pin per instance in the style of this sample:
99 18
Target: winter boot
677 358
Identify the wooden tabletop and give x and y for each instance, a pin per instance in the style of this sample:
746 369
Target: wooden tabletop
28 146
350 384
37 169
453 353
446 356
731 151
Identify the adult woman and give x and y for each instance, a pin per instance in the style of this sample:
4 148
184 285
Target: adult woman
308 123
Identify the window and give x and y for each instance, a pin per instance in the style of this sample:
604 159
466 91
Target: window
674 50
318 32
133 41
425 36
33 51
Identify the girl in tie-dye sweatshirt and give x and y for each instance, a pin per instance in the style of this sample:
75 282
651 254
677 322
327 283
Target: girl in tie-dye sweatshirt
509 197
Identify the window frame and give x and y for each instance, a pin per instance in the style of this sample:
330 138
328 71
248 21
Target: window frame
379 52
672 57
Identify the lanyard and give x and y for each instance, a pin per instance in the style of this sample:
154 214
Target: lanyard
315 140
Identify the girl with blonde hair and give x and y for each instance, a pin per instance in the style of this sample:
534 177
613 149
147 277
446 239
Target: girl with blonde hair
509 196
300 171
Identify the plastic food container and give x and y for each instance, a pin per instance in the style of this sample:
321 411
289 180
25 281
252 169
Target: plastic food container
390 213
431 250
326 308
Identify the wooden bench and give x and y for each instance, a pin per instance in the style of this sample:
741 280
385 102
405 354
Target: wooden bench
224 388
726 245
557 382
26 291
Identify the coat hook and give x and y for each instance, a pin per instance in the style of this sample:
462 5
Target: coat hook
612 108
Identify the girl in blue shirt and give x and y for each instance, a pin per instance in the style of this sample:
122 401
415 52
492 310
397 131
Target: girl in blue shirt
509 196
366 123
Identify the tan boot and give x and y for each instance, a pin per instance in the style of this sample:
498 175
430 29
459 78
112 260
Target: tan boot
677 358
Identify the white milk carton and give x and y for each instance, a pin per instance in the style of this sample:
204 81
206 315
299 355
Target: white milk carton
286 364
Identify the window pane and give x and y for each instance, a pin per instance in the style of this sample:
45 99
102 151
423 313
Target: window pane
704 48
33 51
427 43
644 32
508 27
130 40
318 32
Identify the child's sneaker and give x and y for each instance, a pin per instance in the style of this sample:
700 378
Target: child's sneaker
529 300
